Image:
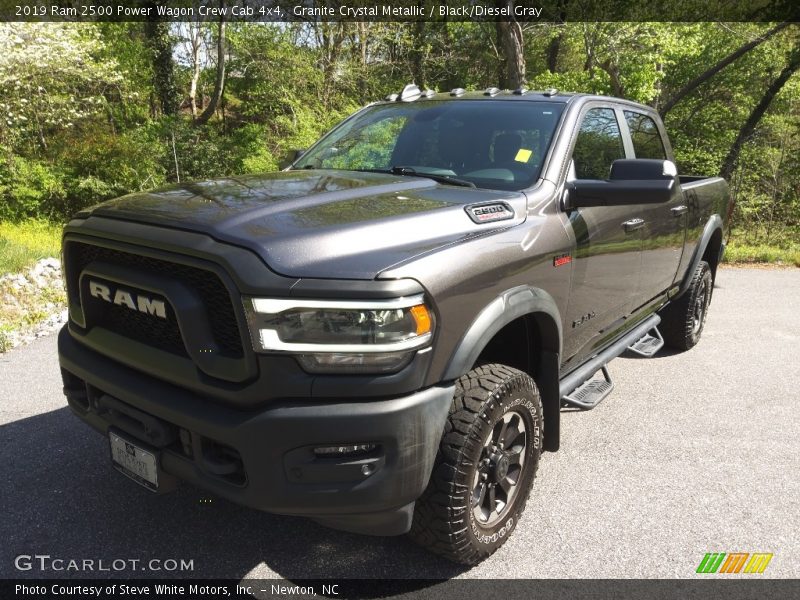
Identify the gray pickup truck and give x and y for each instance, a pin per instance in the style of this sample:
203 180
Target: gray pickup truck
381 337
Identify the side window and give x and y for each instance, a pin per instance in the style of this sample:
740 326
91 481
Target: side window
645 136
598 145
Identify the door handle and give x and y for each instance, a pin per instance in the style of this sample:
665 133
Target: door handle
633 224
678 210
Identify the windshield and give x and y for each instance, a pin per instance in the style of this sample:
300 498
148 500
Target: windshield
491 144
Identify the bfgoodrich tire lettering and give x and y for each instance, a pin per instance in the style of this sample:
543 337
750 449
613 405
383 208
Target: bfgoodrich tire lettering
682 321
487 460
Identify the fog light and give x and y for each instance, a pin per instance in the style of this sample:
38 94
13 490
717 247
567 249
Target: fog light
344 450
339 362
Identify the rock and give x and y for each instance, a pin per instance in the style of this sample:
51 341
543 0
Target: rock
19 291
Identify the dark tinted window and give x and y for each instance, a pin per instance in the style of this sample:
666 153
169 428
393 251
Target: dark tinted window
598 145
645 136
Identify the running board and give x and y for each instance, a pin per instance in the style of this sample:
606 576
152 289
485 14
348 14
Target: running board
583 374
590 393
647 345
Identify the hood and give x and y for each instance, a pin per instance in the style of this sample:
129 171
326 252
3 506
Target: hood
322 224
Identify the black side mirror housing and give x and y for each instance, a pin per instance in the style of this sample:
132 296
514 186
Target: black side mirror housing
631 181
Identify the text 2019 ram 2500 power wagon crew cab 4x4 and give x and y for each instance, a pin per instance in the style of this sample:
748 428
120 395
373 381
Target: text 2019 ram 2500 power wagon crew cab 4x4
381 336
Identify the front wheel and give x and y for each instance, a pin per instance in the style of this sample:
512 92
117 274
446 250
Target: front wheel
487 460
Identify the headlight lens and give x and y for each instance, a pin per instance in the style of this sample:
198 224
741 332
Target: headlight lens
359 336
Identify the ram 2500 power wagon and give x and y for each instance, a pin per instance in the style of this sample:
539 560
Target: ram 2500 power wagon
381 336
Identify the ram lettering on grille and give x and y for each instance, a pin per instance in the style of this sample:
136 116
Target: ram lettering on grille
143 304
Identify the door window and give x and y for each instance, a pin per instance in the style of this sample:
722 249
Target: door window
645 136
598 145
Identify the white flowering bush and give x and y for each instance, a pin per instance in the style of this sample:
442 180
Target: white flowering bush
52 76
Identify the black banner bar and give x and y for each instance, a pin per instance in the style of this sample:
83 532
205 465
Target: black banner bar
530 11
741 587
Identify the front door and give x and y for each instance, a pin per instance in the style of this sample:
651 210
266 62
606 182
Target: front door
606 264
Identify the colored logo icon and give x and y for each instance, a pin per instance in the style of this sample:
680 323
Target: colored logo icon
734 562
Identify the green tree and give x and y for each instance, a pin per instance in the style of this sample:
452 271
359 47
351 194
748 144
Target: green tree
52 76
161 44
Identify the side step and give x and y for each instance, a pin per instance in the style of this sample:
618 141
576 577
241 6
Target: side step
647 345
590 393
580 390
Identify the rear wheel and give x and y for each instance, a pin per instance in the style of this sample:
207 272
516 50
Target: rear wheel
682 321
487 460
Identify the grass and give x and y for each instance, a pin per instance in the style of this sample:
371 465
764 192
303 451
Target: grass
22 244
743 253
5 341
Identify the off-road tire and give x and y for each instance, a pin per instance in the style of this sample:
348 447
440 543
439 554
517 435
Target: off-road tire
683 319
445 520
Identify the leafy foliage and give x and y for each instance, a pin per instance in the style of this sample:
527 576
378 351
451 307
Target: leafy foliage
52 78
92 111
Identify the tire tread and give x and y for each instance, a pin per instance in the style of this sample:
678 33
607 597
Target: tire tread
441 515
676 318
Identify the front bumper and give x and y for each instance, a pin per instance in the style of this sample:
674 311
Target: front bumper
263 458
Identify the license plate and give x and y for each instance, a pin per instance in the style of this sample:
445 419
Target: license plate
134 461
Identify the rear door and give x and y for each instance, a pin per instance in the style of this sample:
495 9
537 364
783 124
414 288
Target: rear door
664 223
606 264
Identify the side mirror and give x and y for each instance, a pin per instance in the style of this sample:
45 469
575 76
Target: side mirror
291 157
634 181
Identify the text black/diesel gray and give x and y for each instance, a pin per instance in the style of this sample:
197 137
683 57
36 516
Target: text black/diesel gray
381 336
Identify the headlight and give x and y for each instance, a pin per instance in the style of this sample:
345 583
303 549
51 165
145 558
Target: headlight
335 336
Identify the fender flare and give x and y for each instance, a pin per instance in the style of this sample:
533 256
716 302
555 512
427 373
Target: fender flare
713 224
510 305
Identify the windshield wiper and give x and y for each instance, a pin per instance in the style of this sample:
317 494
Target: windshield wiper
412 172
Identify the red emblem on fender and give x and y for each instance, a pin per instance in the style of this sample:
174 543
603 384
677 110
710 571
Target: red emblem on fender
564 259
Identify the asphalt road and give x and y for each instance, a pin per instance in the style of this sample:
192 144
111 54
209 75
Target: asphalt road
692 453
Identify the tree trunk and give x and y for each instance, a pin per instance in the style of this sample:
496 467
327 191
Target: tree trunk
418 54
659 79
729 164
161 46
510 42
42 139
219 83
554 47
612 69
776 185
330 37
359 44
711 71
195 39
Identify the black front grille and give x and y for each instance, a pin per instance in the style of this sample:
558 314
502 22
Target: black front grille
141 327
159 333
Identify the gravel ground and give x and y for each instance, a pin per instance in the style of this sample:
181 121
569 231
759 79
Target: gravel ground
32 304
692 453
